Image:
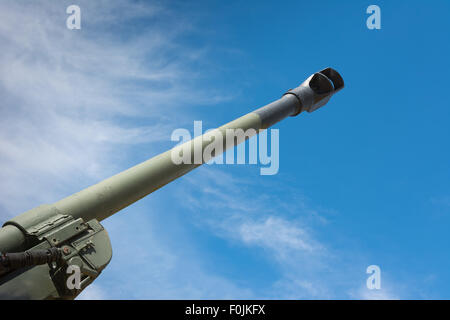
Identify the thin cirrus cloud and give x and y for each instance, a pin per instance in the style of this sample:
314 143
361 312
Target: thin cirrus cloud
236 212
70 98
253 216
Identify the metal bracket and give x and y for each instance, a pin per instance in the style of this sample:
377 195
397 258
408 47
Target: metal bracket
84 244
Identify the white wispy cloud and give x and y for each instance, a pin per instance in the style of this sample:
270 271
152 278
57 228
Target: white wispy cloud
275 233
234 212
71 98
249 212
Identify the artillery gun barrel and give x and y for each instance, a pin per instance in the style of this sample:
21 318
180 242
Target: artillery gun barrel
119 191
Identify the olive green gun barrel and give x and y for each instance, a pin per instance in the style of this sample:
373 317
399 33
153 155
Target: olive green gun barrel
117 192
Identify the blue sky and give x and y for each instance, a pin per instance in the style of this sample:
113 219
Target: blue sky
362 181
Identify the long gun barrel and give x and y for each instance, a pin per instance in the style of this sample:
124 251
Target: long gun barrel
73 222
